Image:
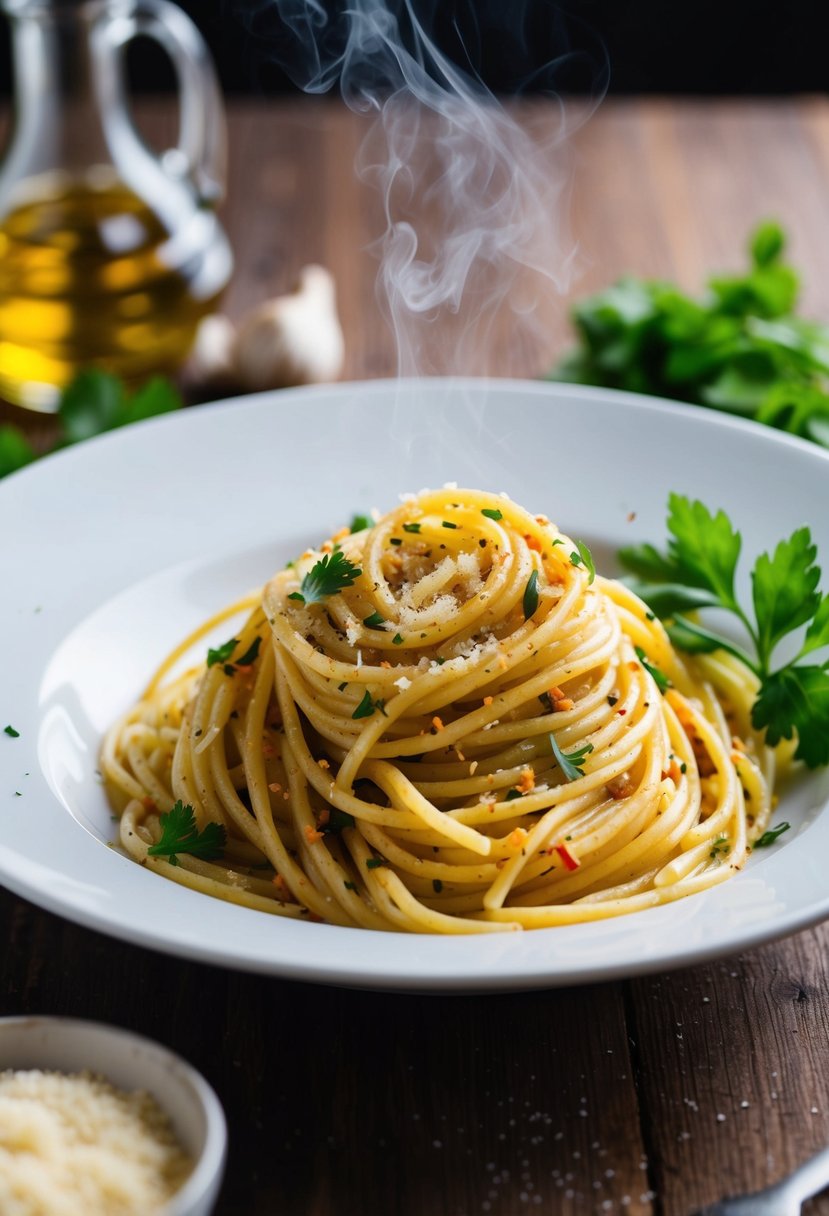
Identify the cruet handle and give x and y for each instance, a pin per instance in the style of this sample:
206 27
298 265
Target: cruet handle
200 153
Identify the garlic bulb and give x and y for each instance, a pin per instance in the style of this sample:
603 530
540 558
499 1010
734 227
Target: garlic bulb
293 339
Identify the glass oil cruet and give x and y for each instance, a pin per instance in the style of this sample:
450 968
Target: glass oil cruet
110 254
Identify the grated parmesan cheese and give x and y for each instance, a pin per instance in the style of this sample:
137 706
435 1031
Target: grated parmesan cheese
73 1145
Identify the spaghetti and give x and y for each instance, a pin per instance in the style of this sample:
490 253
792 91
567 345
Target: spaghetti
446 723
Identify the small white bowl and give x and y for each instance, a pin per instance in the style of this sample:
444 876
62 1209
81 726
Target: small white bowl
131 1062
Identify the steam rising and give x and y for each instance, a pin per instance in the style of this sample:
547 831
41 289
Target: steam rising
475 252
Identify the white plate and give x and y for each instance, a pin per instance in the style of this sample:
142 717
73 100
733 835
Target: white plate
115 549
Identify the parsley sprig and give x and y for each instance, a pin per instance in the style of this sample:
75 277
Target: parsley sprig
179 834
697 571
331 574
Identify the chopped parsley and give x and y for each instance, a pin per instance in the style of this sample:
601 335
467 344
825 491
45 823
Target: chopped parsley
771 836
375 621
719 848
331 574
571 763
513 794
179 834
374 863
530 602
349 886
250 655
583 557
11 732
662 681
444 523
492 513
397 640
368 705
337 820
222 653
411 527
359 523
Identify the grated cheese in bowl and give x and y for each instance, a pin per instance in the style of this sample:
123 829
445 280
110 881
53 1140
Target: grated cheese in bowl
142 1135
74 1145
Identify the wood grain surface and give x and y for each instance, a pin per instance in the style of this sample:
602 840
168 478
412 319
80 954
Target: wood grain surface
651 1096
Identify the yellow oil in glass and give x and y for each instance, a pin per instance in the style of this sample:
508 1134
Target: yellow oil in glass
93 277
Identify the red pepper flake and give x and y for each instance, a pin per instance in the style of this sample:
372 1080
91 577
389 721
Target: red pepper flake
312 835
621 712
567 857
673 771
526 781
282 888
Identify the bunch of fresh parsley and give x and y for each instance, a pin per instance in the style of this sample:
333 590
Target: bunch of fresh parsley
741 348
94 402
697 571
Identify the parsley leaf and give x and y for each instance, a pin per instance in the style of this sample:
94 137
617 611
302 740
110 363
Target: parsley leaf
704 547
250 655
179 834
583 557
530 602
662 681
771 836
796 699
368 705
360 523
784 590
571 763
222 653
15 450
331 574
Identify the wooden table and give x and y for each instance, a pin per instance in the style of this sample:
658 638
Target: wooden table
649 1096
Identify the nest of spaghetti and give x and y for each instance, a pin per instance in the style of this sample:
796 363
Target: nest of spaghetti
445 723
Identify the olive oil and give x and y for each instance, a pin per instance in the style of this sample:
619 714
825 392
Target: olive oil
92 276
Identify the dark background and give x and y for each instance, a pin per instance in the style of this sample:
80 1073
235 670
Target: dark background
631 46
651 46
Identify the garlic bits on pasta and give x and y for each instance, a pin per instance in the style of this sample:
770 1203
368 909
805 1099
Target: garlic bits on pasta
444 722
